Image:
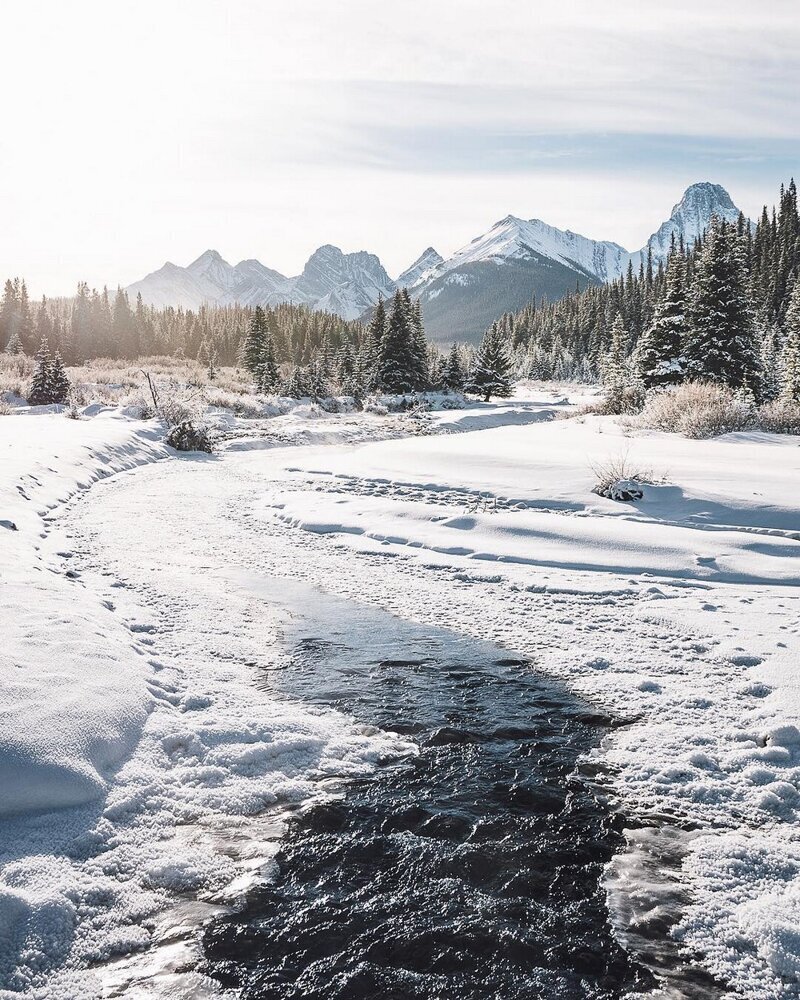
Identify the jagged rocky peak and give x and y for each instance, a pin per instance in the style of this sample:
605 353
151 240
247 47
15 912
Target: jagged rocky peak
419 270
690 218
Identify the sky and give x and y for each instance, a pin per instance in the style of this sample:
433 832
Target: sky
139 132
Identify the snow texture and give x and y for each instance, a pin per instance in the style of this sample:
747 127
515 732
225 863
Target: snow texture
679 612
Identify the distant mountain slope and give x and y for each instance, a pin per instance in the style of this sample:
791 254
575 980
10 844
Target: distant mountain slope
498 271
345 284
461 303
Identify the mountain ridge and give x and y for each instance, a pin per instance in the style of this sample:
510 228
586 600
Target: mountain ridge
459 293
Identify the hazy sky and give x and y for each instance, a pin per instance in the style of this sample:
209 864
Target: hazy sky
139 132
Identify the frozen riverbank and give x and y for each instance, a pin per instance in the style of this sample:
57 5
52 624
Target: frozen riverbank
679 612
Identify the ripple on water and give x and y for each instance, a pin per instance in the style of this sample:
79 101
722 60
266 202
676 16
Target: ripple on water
472 870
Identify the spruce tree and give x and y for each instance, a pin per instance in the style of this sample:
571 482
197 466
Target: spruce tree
659 360
59 383
398 364
378 326
790 355
14 345
452 372
268 375
255 341
616 371
491 367
420 368
39 392
720 343
769 361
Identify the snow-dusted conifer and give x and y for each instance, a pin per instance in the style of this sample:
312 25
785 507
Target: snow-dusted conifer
14 345
268 375
616 371
452 371
59 383
770 368
790 355
297 385
720 343
253 347
659 359
345 362
491 367
398 361
39 392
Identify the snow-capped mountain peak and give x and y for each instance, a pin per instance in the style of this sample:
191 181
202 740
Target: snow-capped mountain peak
420 269
690 218
512 238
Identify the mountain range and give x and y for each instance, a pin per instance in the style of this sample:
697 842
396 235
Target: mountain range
498 271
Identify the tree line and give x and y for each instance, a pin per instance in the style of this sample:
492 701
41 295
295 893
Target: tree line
288 349
392 355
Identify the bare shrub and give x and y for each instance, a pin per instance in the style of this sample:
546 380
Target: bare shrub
241 405
15 374
781 416
616 469
698 410
175 403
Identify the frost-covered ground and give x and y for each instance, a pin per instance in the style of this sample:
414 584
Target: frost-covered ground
679 612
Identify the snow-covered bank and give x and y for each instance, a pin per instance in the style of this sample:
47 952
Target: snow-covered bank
164 748
75 695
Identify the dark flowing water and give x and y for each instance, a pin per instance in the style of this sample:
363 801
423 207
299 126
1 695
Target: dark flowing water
471 871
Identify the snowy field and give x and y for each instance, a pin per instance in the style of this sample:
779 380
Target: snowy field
139 614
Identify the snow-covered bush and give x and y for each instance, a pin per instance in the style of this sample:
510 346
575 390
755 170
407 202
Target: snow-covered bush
620 400
137 405
698 410
177 403
241 405
186 436
373 405
781 416
619 478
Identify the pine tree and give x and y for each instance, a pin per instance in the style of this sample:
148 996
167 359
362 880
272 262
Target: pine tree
378 326
345 362
14 345
491 368
790 356
296 386
452 371
420 370
268 375
318 387
398 361
39 392
720 343
616 372
769 361
59 383
659 360
255 341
